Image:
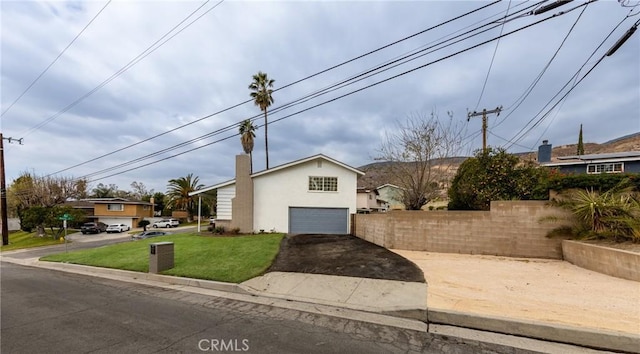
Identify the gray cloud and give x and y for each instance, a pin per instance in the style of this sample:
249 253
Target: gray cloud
207 68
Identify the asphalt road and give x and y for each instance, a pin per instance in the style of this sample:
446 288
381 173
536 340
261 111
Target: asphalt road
45 311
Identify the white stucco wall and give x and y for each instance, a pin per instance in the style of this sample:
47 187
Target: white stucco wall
275 192
225 194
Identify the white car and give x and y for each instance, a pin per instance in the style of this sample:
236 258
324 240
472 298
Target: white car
117 228
166 223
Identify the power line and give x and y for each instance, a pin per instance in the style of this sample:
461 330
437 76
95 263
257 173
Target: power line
55 60
493 57
520 135
283 87
535 82
336 98
152 48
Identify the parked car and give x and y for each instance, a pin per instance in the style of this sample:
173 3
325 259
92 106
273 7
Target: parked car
93 228
148 234
117 228
166 223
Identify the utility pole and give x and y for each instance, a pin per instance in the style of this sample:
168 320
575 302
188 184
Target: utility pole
484 123
3 191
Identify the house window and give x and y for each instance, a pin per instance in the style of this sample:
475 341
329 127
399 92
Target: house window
115 207
146 207
325 184
616 167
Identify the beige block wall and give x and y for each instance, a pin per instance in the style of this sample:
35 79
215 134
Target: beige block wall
618 263
510 228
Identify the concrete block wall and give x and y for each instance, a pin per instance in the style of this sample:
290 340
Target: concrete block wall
618 263
510 228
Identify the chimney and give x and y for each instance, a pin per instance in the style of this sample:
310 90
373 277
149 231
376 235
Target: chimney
242 203
544 152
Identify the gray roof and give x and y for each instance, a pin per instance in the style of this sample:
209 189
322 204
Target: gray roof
612 155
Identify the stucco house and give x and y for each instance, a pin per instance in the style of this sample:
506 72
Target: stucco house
369 201
115 210
311 195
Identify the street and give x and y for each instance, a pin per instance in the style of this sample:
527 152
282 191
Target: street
54 312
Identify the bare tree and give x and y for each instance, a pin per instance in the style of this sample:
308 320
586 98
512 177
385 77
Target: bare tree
418 156
140 191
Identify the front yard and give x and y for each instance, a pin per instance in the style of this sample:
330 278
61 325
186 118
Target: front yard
228 259
21 239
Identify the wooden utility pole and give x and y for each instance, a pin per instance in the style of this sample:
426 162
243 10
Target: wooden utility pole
3 192
484 123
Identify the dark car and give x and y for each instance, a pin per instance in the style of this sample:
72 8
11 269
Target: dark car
93 227
148 234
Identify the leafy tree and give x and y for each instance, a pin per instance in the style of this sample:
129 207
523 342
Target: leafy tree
178 191
262 97
104 191
580 143
158 200
30 190
418 156
496 175
40 217
246 138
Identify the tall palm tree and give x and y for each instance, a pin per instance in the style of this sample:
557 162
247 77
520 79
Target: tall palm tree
261 94
178 191
246 138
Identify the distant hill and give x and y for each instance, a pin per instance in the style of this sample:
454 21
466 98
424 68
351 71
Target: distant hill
625 143
375 176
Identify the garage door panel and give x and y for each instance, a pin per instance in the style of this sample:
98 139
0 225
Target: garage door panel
318 220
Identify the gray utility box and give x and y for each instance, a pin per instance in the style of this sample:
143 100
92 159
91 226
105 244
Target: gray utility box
160 256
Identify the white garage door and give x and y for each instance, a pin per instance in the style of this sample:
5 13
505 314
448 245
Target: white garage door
318 220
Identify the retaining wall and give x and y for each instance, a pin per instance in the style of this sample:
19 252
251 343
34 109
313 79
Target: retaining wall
510 228
610 261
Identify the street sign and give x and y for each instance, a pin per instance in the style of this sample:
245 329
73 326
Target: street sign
65 217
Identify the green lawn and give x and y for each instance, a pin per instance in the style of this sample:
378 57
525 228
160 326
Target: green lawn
228 259
21 239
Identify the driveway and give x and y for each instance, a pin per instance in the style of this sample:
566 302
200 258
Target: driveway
343 255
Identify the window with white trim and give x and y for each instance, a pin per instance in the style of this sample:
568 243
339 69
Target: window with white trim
115 207
615 167
323 184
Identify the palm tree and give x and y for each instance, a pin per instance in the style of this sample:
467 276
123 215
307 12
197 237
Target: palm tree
246 138
178 191
261 94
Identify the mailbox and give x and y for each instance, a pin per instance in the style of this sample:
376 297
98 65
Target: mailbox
160 256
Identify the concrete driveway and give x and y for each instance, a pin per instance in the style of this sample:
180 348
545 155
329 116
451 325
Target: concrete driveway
543 290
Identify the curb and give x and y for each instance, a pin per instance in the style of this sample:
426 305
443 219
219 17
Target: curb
601 339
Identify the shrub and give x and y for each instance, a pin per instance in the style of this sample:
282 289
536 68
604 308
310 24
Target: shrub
496 175
613 214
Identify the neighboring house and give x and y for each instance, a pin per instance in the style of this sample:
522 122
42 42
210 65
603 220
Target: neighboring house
392 195
312 195
115 210
368 200
616 162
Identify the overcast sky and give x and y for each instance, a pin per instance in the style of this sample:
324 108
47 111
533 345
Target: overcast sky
91 101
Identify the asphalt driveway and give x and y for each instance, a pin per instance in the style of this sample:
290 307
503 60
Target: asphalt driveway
343 255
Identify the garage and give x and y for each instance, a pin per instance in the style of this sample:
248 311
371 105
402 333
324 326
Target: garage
318 220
